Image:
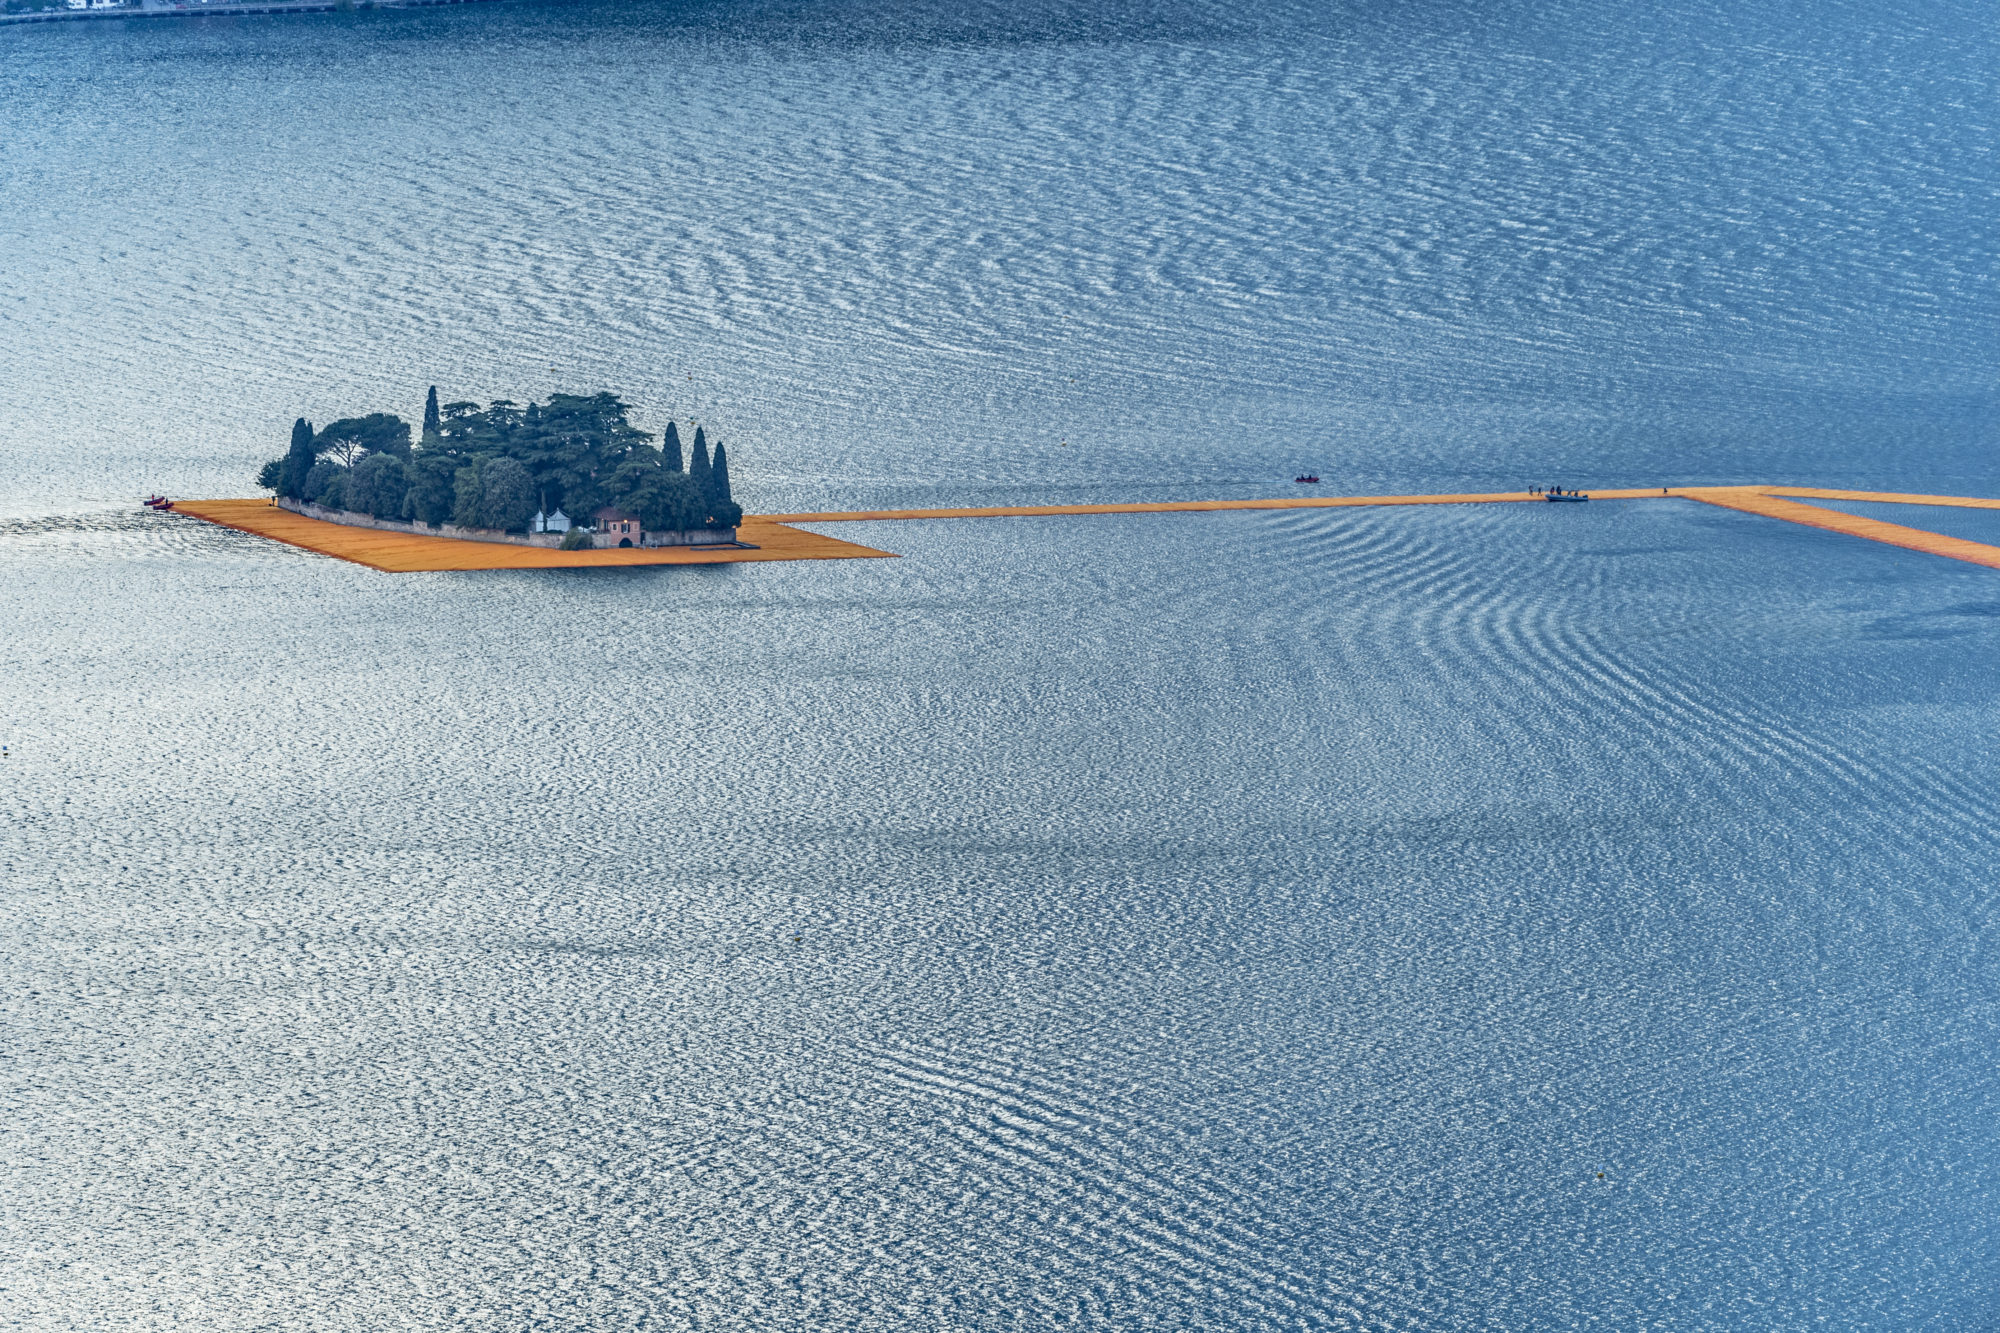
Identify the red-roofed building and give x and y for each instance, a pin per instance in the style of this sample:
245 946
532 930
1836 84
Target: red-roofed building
616 527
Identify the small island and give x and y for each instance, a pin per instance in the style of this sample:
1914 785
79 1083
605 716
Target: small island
572 473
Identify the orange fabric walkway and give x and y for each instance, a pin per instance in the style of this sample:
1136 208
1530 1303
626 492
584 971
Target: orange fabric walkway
1767 502
403 553
399 552
1192 506
1760 500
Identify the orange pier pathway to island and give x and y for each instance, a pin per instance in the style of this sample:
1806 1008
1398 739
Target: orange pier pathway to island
407 553
774 538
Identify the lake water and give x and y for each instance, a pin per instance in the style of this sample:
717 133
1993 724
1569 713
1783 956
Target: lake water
1249 920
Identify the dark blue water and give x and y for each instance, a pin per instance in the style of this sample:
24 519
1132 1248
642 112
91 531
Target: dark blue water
1233 921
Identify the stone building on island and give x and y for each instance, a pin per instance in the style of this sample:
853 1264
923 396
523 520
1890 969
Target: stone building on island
617 527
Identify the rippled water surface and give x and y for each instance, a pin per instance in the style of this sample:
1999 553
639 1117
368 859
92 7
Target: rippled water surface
1499 918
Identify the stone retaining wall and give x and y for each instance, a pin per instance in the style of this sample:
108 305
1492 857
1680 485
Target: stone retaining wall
348 518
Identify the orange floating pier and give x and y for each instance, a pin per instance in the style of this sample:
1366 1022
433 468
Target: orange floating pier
1196 506
774 538
406 553
1772 502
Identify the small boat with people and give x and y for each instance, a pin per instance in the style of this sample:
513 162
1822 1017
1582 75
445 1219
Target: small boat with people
1557 495
1309 479
159 502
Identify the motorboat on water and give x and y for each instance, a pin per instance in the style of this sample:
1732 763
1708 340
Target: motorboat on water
1310 479
1565 497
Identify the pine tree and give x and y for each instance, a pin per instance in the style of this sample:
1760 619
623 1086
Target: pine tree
671 447
699 471
720 484
433 424
299 461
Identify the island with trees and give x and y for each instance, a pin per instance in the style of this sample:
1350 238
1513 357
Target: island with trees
572 472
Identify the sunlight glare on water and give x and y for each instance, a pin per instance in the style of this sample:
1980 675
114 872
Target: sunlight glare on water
1487 917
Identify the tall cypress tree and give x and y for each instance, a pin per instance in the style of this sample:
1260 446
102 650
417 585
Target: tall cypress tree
298 461
433 424
671 447
701 474
720 474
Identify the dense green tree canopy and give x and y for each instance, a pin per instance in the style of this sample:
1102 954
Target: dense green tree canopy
493 466
508 496
433 489
668 502
711 484
378 485
468 490
351 438
581 452
326 484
